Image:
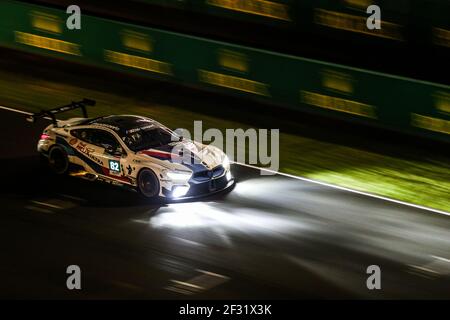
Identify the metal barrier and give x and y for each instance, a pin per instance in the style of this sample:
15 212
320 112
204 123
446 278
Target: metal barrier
337 91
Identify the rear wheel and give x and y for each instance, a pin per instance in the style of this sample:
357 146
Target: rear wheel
148 183
58 160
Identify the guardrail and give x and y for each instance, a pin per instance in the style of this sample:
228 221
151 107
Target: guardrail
337 91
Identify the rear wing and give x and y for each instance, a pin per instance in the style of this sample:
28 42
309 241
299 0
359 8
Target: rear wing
53 112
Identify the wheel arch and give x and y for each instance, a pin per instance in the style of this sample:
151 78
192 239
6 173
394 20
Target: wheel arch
156 174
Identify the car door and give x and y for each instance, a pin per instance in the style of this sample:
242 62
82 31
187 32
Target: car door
100 150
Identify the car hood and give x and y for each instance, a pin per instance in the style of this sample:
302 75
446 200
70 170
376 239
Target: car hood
192 154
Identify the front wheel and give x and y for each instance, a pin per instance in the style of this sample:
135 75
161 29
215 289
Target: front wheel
58 160
148 183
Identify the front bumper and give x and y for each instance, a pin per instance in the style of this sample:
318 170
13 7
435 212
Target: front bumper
204 188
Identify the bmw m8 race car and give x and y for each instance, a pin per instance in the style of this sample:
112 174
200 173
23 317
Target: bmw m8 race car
132 151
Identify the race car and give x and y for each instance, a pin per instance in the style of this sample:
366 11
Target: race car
133 151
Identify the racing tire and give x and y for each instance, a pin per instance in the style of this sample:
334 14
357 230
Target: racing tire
58 160
148 184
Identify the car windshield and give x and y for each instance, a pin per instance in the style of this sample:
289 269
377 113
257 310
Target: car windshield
147 138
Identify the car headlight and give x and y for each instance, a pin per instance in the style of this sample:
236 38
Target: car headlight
226 163
179 175
180 191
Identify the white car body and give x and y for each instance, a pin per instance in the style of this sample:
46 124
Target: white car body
81 139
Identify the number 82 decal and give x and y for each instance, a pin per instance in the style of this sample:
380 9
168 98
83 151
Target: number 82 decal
114 165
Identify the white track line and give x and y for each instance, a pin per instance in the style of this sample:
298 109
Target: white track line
54 206
212 274
416 206
310 180
15 110
21 111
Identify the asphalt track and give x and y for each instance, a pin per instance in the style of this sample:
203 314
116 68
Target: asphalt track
271 237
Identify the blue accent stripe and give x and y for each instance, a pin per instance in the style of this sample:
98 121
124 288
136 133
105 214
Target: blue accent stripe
74 152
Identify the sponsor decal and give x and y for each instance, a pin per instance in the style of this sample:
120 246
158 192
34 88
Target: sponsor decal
140 129
84 149
130 169
115 175
107 126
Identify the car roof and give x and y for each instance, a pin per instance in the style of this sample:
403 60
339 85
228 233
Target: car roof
123 124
